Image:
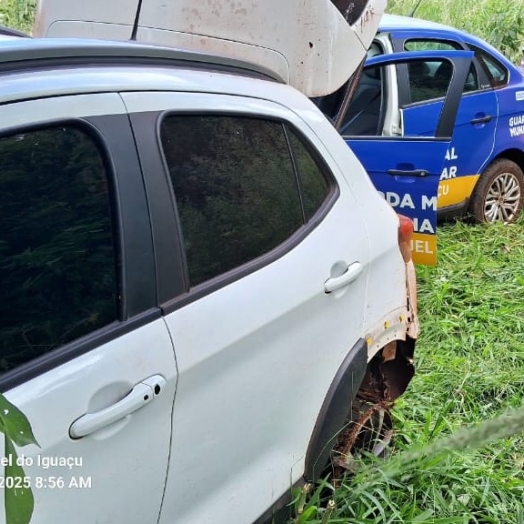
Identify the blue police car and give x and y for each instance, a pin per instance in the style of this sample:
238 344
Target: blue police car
437 118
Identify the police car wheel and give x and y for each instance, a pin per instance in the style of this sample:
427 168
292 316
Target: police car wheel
499 193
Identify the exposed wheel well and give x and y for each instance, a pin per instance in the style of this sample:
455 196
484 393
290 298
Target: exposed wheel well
358 386
515 155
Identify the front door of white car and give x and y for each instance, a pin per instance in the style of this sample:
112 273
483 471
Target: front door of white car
271 301
86 356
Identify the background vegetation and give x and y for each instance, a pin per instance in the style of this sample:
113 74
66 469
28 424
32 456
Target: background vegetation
18 14
470 357
500 22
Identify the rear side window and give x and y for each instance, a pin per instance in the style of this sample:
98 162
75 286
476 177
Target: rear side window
496 72
315 186
57 253
431 45
236 185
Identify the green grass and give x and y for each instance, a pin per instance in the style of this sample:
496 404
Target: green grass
470 368
18 14
500 22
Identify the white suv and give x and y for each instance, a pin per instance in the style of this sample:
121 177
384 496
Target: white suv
196 276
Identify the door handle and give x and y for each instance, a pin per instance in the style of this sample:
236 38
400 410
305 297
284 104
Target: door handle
351 274
142 394
482 119
412 172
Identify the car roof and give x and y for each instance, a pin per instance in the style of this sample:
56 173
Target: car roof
10 32
100 66
392 22
18 54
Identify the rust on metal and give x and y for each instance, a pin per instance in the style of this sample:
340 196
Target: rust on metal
370 425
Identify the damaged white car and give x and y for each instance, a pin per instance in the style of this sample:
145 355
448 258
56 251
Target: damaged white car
198 277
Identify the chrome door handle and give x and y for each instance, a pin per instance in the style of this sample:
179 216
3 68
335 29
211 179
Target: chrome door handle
142 394
351 274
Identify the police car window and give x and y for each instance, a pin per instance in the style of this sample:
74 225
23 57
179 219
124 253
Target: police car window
331 105
472 82
364 114
235 187
431 45
429 80
58 263
496 72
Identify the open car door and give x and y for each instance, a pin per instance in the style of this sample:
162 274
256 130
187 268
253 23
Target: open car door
405 169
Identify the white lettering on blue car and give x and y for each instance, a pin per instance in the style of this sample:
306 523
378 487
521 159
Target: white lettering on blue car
429 203
516 120
396 200
449 171
516 125
423 226
451 155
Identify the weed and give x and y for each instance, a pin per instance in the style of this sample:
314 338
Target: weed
500 22
18 14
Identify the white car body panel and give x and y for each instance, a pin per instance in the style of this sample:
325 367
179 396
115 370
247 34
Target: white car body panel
128 459
123 462
249 366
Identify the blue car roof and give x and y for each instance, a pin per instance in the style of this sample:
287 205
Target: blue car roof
392 22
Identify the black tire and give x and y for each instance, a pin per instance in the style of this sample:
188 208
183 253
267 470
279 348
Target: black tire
499 193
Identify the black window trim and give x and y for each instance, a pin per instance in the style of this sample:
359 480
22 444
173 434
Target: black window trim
489 77
296 172
187 294
74 349
99 130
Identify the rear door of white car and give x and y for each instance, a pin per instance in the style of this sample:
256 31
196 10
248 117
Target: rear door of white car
263 303
85 353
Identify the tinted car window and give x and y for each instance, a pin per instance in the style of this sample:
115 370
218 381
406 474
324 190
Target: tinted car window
57 257
472 82
364 113
315 186
235 188
496 72
429 79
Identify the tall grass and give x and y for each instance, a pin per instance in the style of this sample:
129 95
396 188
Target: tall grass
500 22
18 14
